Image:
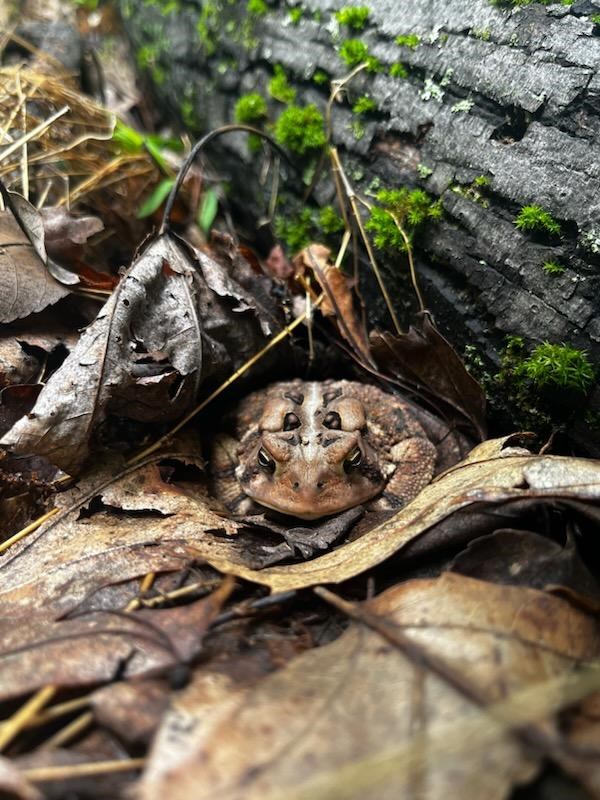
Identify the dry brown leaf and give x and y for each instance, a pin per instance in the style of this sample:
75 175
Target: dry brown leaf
26 285
339 300
176 317
320 727
425 358
488 475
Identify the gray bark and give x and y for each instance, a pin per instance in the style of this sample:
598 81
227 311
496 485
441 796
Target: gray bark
530 123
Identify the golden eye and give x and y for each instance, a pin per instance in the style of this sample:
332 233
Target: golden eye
265 461
354 460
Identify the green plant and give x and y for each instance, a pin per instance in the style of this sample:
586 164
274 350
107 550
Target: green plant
409 207
481 181
398 70
250 108
257 7
294 231
424 171
295 15
330 221
595 18
553 267
364 105
535 218
353 16
279 88
354 52
557 365
301 129
411 40
320 77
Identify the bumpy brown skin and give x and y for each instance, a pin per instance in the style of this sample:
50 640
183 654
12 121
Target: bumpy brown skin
314 449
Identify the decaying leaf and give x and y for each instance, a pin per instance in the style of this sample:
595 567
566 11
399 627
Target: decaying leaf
425 358
26 283
339 300
165 327
13 785
358 718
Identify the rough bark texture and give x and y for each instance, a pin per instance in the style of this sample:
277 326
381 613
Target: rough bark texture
511 94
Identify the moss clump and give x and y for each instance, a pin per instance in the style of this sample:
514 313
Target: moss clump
557 365
353 16
411 40
330 221
595 18
250 108
364 105
295 231
553 267
410 207
481 181
257 8
295 15
398 70
484 35
320 77
354 52
301 129
279 88
535 218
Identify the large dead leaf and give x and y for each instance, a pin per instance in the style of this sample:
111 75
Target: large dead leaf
168 324
489 475
359 719
427 360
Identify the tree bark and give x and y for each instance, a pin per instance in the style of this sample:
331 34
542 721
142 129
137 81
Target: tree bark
511 94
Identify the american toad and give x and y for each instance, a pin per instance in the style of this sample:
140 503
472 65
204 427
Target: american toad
314 449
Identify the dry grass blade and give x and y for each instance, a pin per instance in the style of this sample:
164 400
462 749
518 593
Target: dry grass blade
62 773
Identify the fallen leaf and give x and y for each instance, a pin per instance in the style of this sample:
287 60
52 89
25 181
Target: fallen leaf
423 357
359 718
131 709
26 285
13 785
339 300
163 330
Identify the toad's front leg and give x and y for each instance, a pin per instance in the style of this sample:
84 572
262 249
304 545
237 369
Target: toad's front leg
414 461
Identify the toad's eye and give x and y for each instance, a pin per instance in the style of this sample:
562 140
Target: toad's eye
354 460
333 421
265 460
290 422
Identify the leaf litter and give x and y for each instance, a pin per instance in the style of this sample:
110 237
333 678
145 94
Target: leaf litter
139 609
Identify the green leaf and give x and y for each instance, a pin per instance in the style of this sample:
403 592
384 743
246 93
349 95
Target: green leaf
208 210
156 199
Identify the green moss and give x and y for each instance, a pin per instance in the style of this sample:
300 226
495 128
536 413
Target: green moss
188 114
279 88
553 268
257 8
424 171
364 105
398 70
330 221
295 231
535 218
354 52
483 35
353 16
207 26
358 129
410 207
557 365
481 181
411 40
301 129
320 77
595 18
295 15
250 108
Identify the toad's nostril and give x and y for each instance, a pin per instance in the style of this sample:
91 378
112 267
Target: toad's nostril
320 484
295 485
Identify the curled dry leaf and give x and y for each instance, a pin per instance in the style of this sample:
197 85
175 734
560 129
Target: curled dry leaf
488 475
339 300
358 719
26 283
426 359
165 327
